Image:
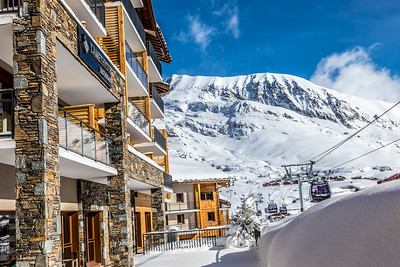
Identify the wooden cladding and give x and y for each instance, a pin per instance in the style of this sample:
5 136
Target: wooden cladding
87 114
111 43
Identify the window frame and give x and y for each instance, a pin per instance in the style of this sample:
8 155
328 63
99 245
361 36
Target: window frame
213 215
180 216
182 196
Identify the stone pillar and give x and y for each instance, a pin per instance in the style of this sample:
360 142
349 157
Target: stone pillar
157 204
121 234
38 220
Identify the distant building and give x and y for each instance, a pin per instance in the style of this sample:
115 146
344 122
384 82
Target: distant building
391 178
197 204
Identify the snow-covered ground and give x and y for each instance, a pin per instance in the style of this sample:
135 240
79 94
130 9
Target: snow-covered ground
357 230
200 257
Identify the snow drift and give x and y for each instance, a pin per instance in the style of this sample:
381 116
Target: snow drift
358 230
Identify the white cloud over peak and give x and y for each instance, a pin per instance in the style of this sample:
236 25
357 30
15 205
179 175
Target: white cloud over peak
233 23
230 12
354 72
198 31
221 19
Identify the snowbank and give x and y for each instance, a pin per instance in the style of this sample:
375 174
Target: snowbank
360 229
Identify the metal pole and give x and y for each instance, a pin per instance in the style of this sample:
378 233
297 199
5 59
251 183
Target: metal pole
301 194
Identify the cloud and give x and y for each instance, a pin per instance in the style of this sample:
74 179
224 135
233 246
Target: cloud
354 72
198 31
230 11
233 23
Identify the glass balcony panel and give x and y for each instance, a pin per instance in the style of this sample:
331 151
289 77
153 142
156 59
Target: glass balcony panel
101 150
74 137
86 141
62 131
138 117
135 66
89 145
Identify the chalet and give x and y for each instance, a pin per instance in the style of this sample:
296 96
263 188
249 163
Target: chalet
197 204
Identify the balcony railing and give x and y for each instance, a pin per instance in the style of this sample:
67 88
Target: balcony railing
183 226
82 138
167 180
159 138
224 206
179 206
157 98
135 19
135 65
6 112
154 57
8 6
98 8
138 117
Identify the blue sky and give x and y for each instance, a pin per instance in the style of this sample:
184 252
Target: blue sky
302 38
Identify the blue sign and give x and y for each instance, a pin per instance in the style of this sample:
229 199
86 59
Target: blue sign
91 54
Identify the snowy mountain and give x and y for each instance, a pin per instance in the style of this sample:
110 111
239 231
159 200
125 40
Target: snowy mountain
246 127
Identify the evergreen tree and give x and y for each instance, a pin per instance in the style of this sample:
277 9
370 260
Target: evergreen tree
246 225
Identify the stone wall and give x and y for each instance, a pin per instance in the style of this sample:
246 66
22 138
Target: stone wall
158 208
93 197
145 172
38 220
121 236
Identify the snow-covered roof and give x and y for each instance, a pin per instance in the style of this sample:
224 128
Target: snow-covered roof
189 170
205 180
221 197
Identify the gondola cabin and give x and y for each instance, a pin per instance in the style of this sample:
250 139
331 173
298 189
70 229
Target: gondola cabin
319 190
259 213
283 210
272 208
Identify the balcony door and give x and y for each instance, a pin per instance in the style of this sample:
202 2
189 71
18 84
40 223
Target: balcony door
93 242
70 239
138 226
147 216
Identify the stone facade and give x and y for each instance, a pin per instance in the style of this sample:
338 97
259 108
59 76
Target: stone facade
93 197
142 171
121 236
158 208
38 224
38 211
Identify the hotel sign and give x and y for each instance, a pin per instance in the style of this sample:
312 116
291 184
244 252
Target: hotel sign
91 54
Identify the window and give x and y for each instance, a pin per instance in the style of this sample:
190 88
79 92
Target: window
181 218
166 219
211 217
7 223
207 196
179 197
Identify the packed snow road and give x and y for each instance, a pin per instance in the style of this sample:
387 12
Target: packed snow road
200 257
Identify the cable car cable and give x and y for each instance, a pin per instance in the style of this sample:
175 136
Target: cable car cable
363 155
330 150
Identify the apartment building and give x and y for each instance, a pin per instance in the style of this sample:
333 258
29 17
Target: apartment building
83 158
197 204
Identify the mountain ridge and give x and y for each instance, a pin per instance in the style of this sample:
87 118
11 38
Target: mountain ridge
248 126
